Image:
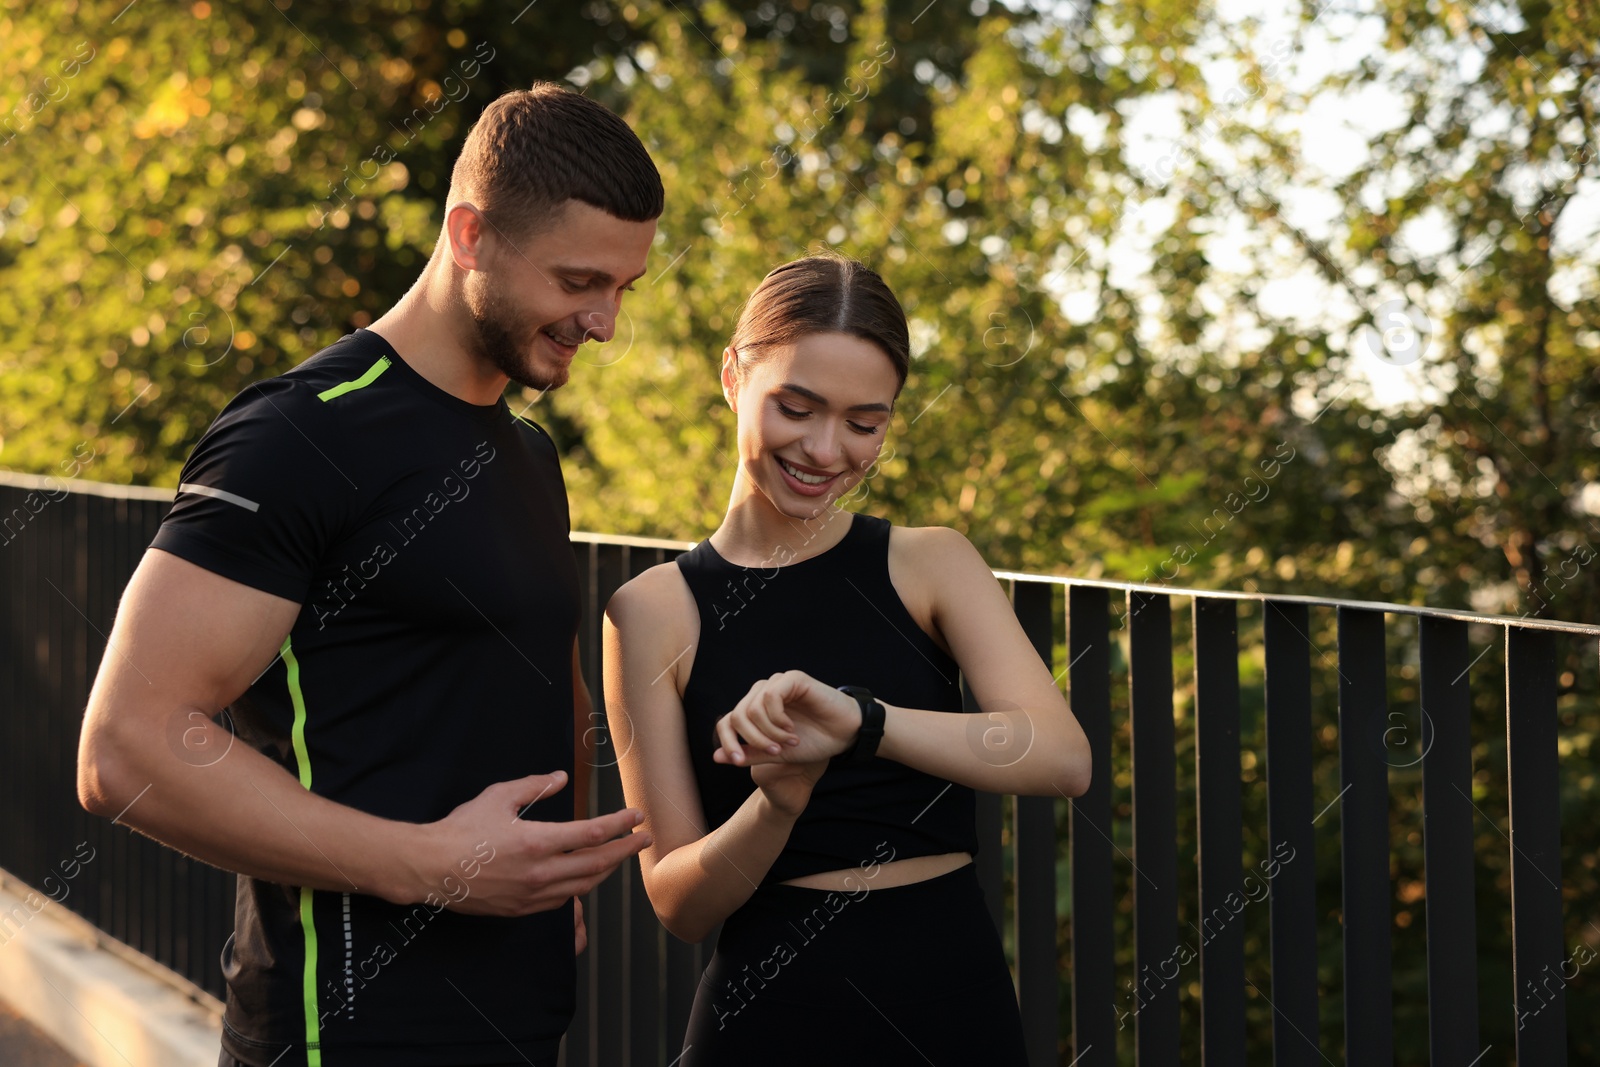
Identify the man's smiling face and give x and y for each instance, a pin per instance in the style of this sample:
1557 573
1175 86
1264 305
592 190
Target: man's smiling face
535 300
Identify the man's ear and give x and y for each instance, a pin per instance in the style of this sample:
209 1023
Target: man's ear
467 235
730 378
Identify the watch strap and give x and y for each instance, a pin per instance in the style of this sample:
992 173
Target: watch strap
870 734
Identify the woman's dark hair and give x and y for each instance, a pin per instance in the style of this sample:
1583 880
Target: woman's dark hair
534 149
824 293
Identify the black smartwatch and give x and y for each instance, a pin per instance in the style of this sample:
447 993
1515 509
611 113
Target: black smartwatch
871 732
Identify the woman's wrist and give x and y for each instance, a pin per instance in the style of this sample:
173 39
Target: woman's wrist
894 723
772 813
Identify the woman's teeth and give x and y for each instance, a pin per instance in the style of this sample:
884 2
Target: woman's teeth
801 476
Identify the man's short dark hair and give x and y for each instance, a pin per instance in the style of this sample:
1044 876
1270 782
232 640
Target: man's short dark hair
534 149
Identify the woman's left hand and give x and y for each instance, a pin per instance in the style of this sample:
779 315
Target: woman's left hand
788 718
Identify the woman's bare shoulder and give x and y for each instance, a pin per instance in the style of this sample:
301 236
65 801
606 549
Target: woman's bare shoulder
655 599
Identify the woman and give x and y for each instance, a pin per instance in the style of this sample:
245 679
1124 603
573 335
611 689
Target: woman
830 831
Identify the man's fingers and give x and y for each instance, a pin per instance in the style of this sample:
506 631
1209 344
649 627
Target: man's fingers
573 874
557 878
522 793
589 833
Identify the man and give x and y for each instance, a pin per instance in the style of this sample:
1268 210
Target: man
367 564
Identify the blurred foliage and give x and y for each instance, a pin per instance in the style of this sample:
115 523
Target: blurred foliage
1108 380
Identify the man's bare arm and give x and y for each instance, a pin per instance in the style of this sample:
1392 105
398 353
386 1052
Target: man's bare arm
187 641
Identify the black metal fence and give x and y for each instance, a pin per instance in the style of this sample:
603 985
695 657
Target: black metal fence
67 552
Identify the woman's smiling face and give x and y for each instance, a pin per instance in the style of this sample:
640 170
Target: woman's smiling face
812 417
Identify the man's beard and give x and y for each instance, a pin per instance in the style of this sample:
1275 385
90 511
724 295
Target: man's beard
503 341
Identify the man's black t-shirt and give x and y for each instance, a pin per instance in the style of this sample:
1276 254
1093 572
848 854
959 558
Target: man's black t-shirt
426 539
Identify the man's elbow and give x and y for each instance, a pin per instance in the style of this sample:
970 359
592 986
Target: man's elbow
94 787
105 786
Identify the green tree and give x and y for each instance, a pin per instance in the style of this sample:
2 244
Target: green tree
1453 250
197 197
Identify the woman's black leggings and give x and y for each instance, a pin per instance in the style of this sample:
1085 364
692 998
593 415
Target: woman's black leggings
909 975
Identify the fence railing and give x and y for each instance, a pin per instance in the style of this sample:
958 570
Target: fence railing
67 551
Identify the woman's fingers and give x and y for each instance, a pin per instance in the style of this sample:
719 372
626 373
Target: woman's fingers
754 723
729 750
738 734
759 727
761 715
785 726
777 725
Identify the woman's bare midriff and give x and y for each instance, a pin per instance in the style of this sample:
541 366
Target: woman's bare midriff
885 875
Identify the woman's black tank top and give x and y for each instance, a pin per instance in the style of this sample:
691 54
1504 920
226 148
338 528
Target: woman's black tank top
837 617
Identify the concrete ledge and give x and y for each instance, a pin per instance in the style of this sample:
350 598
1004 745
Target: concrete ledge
100 1001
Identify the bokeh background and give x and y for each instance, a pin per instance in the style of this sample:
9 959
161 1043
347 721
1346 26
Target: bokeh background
1281 297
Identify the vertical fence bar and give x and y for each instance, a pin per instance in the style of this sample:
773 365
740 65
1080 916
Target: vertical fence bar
1534 778
1289 815
1036 865
1447 844
1217 816
85 654
1155 828
1364 838
11 630
577 1047
47 533
1094 1030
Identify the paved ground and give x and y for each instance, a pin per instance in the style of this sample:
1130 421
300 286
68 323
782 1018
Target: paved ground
23 1045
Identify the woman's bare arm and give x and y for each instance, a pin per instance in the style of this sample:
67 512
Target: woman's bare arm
695 879
1025 740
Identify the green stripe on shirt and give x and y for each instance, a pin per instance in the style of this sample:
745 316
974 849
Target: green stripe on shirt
360 383
303 762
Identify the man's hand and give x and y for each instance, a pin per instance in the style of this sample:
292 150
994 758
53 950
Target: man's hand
580 932
788 718
519 867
